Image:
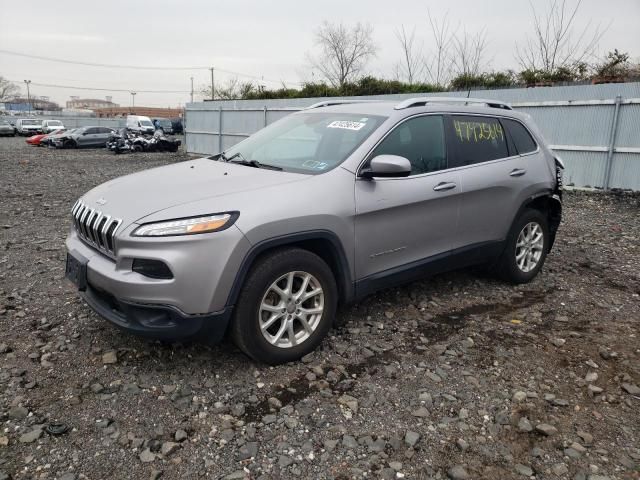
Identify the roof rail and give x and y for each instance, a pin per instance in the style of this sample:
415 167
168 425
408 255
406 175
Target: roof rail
329 103
421 101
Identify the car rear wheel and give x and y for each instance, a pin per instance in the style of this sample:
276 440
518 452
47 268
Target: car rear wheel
526 249
286 306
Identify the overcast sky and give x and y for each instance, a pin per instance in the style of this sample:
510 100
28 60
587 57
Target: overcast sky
260 38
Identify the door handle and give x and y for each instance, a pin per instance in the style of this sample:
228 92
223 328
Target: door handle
517 172
442 186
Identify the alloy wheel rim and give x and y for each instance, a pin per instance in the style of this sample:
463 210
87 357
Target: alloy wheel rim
291 309
529 247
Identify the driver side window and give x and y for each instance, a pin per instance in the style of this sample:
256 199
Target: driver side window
420 140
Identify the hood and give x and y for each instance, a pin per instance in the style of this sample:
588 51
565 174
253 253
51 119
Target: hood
141 194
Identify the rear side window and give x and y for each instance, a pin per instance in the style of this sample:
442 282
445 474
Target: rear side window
421 141
478 139
521 137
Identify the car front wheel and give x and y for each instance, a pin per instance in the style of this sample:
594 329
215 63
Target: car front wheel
286 306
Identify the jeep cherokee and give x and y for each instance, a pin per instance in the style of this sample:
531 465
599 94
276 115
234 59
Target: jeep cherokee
325 206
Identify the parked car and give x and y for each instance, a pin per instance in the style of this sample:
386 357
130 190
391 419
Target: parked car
163 124
140 124
36 139
177 125
42 139
322 207
83 137
28 126
49 140
6 129
49 126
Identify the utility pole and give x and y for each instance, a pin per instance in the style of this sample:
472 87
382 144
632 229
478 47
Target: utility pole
191 89
133 99
28 95
213 85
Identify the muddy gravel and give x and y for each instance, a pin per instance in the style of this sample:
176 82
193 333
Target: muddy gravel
460 376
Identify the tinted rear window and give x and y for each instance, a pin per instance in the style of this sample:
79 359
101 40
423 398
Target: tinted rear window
478 139
521 137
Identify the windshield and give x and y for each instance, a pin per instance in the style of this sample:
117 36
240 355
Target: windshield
308 142
54 123
146 123
165 123
31 122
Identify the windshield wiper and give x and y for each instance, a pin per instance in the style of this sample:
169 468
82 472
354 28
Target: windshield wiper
239 158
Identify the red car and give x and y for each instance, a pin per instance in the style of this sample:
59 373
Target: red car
35 139
38 139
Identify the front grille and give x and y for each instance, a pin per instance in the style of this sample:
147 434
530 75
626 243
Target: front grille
95 228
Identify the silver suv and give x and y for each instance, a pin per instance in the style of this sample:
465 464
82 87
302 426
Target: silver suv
322 207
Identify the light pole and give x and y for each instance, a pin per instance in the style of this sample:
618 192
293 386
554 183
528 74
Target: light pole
28 95
213 85
133 99
191 89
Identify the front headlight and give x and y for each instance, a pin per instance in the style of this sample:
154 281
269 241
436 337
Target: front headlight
187 226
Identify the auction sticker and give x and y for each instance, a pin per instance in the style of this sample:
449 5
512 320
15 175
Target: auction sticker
346 125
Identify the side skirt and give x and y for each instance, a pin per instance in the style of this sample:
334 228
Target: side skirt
444 262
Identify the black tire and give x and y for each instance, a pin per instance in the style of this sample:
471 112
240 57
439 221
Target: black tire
69 144
245 329
507 267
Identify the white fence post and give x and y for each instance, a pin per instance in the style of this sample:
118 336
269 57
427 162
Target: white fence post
220 129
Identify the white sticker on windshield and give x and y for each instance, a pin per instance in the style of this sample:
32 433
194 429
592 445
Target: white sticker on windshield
315 164
346 125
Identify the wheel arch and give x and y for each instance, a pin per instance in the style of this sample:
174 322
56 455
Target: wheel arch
323 243
550 205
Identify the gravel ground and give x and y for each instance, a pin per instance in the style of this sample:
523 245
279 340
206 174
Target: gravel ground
457 377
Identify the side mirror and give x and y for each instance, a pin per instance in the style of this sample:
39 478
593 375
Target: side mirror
387 166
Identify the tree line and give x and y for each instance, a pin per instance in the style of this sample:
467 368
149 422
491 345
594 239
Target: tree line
556 50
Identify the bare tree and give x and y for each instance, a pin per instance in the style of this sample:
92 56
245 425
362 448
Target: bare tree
469 53
438 62
8 89
557 42
344 52
232 89
412 67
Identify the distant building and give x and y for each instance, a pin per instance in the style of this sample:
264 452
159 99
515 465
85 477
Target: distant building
152 112
91 103
37 103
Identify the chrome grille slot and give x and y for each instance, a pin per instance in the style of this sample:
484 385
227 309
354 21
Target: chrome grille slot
95 227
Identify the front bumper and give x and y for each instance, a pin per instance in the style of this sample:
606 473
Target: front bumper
157 321
194 301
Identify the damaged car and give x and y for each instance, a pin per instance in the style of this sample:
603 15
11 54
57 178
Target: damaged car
263 241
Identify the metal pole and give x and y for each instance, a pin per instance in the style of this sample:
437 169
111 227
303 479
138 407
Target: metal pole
265 115
213 85
612 142
220 128
191 89
28 95
133 100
